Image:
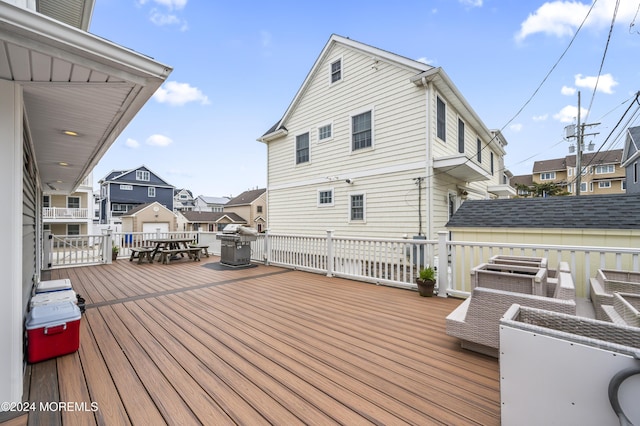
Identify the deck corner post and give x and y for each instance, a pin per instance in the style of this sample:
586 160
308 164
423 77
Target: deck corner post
267 247
107 243
443 267
330 252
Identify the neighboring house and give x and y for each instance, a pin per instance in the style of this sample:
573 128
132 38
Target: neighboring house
252 206
602 173
630 158
65 97
183 200
124 190
377 144
519 182
567 221
210 204
151 217
69 214
210 221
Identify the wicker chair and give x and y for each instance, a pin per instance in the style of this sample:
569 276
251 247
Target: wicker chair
516 278
475 322
625 309
606 283
503 259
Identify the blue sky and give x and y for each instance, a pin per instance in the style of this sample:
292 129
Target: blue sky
238 65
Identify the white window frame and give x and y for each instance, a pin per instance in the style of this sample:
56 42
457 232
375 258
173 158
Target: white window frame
151 192
583 186
143 175
328 138
610 168
604 184
331 62
73 225
333 197
124 187
295 148
74 197
373 126
552 175
570 171
364 207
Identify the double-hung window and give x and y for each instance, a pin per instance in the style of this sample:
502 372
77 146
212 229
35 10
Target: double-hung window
302 148
361 131
73 202
336 71
479 150
151 192
441 119
356 207
609 168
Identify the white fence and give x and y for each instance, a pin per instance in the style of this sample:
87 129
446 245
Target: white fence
393 262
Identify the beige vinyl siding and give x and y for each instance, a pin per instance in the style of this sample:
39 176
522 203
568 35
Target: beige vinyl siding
391 207
398 114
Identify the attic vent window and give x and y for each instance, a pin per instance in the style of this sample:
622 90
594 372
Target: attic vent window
336 71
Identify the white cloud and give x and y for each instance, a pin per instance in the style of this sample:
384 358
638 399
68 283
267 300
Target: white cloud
569 113
542 117
516 127
562 18
158 140
471 3
132 143
427 61
169 4
568 91
174 93
606 83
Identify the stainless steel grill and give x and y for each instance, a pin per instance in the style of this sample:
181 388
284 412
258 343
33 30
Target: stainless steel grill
235 242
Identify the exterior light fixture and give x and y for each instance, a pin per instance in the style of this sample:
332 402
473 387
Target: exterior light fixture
70 133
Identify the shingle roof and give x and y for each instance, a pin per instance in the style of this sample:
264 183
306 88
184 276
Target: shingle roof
521 179
597 158
619 211
551 165
201 217
247 197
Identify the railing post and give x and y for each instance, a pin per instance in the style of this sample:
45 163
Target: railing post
107 242
47 242
267 247
443 264
330 253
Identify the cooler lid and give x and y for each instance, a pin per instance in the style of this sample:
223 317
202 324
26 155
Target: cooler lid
52 314
54 297
53 285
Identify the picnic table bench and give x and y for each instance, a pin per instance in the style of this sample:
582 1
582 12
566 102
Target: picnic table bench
141 253
167 254
204 249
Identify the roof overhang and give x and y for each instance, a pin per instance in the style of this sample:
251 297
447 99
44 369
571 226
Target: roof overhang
502 190
461 168
72 80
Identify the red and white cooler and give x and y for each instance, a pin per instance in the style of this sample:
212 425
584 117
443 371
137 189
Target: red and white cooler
53 297
52 330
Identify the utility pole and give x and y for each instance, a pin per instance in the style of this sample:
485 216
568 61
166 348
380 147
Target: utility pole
579 135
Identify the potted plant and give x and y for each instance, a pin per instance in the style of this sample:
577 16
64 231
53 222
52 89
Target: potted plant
114 252
426 281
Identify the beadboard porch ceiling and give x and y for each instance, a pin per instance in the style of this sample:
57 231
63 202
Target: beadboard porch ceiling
72 81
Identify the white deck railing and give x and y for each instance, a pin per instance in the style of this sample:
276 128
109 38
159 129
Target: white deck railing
393 262
49 213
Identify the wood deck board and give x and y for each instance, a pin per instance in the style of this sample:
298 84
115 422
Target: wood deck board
186 343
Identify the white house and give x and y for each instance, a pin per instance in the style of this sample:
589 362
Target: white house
65 96
377 144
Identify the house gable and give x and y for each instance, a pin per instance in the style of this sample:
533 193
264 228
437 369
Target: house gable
631 150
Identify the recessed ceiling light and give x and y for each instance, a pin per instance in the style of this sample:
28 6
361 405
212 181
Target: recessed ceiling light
63 164
70 133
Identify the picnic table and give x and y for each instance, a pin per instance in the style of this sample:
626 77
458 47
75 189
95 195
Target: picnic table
169 248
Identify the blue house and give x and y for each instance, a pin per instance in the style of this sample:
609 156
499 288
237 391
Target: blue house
124 190
630 159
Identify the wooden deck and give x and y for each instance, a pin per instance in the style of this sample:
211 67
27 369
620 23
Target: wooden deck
189 343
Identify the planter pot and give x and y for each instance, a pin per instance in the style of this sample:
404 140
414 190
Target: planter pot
425 287
114 255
